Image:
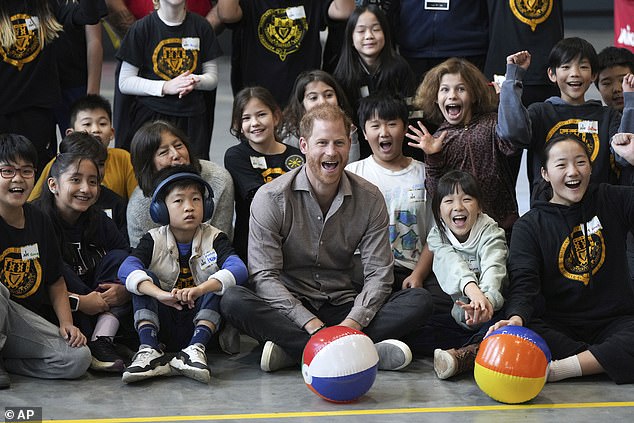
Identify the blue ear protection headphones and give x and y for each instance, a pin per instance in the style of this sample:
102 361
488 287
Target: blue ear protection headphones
158 209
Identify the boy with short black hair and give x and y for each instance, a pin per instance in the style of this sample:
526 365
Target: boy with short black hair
32 288
177 274
401 180
614 64
93 114
573 66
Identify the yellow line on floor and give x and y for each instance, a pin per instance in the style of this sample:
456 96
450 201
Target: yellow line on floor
339 413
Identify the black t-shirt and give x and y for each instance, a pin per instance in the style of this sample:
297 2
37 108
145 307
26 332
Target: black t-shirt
511 29
30 259
555 117
185 277
280 39
249 171
71 57
28 72
162 52
84 256
115 208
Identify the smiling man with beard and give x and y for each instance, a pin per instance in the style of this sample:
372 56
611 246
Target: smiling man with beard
304 230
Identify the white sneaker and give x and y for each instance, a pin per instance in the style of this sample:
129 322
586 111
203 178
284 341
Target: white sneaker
146 363
393 354
192 362
275 358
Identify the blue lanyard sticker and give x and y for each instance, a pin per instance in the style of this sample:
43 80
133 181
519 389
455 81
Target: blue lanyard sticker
208 259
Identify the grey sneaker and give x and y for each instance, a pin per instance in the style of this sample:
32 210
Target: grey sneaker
275 358
5 381
146 363
192 362
448 363
393 354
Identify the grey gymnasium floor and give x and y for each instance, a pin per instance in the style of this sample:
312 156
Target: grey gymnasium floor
239 391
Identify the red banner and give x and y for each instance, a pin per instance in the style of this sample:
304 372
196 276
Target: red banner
624 24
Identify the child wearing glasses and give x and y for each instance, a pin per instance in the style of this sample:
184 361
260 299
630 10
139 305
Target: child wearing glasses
32 290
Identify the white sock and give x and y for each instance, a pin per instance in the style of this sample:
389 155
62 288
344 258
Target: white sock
107 325
563 369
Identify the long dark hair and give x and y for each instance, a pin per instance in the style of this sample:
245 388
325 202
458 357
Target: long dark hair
544 190
46 203
295 110
350 69
145 143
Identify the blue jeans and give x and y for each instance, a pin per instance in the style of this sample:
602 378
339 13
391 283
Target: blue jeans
176 327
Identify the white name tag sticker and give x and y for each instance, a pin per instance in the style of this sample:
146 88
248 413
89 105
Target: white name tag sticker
208 259
436 5
30 252
417 195
364 91
32 23
258 162
295 13
588 127
108 212
191 43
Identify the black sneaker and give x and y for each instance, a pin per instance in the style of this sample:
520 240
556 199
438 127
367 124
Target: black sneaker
192 362
146 363
104 356
5 382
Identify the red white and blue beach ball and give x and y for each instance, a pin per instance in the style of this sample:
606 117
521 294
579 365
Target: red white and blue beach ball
339 364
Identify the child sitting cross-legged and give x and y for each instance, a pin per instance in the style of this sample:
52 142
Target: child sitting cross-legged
177 274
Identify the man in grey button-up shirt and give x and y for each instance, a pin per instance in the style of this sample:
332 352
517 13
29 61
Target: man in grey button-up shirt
304 230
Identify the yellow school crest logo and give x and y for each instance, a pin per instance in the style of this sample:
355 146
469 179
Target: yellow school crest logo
580 254
27 45
293 161
21 277
586 131
531 12
280 34
170 59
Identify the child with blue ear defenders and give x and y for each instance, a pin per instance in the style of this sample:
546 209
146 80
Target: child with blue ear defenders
176 275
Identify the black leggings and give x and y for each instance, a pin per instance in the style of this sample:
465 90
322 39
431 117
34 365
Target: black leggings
611 341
